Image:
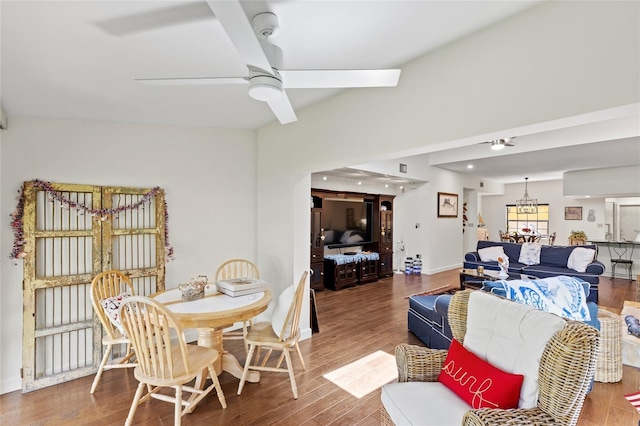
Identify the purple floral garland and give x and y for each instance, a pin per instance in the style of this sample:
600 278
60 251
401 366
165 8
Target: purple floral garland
18 232
18 214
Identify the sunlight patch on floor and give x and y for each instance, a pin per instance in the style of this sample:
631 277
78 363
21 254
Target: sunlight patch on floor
366 374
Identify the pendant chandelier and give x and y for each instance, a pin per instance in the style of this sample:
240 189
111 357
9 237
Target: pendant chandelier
527 205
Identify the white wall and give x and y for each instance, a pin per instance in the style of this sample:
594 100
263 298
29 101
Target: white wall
440 241
470 236
409 209
607 182
209 176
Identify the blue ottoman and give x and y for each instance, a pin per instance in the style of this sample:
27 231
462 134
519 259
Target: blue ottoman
427 319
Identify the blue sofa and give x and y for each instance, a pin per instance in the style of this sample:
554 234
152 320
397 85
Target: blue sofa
427 316
553 262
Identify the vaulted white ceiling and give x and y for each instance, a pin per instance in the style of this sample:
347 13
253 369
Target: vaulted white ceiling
79 60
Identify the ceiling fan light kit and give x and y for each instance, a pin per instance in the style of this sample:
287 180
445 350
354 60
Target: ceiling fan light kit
498 144
264 87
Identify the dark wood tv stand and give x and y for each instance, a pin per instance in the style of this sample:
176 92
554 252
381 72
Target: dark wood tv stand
341 276
343 271
368 271
337 277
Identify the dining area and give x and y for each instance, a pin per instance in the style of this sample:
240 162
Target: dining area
527 235
153 330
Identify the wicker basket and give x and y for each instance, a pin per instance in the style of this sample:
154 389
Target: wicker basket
609 362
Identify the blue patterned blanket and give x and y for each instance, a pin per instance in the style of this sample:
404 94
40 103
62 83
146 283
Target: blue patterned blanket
561 295
341 259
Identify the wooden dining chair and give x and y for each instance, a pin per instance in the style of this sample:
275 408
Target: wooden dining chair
163 362
107 291
237 268
279 334
518 238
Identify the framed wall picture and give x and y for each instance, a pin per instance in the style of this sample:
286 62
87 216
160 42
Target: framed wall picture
447 204
573 213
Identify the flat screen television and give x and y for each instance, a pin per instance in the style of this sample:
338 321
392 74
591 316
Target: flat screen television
347 223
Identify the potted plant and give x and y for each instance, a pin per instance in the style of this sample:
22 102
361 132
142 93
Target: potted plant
577 238
578 235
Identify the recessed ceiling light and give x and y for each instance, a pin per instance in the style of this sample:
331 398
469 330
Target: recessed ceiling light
469 166
386 185
359 182
401 187
324 178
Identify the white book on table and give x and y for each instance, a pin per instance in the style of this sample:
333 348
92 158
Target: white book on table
241 286
236 293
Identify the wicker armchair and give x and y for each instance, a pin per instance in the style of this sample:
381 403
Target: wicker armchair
564 376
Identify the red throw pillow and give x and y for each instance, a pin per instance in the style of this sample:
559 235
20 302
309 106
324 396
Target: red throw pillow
477 382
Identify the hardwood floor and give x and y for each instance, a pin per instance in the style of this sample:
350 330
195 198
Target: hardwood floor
354 322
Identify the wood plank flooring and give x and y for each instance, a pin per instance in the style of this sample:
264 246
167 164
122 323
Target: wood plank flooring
354 322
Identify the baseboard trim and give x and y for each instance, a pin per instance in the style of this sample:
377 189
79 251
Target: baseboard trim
444 268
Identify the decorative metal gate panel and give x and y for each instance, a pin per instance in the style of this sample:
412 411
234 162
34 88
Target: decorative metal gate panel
73 232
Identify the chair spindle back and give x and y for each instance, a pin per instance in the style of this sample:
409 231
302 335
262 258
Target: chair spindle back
237 268
148 325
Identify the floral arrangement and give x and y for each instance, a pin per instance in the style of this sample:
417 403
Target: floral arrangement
578 235
526 230
18 227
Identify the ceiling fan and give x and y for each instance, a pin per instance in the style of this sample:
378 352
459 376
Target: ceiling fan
498 144
266 78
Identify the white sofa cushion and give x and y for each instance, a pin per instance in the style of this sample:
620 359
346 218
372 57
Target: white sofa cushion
580 258
423 403
511 336
491 253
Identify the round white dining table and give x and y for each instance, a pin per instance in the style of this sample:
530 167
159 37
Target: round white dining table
212 314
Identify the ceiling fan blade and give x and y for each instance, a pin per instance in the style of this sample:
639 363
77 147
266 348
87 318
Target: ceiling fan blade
328 79
282 109
239 29
192 81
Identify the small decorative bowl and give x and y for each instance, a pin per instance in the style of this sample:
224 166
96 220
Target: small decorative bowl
191 291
